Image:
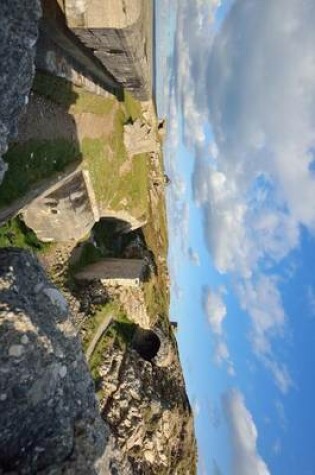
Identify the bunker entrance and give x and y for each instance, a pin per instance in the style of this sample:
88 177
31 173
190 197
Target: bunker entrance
146 343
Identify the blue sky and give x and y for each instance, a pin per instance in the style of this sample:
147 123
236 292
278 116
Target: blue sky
236 81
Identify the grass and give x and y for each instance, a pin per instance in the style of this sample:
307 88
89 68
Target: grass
15 233
132 107
156 290
33 161
120 332
113 191
73 98
93 322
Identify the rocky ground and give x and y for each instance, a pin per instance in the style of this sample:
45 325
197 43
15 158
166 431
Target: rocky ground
48 411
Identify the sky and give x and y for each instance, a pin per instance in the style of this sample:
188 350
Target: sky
236 82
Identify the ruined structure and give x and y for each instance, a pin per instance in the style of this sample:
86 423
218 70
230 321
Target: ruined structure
49 415
65 211
124 272
120 35
140 137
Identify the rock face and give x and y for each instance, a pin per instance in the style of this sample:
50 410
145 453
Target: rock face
49 417
18 35
147 408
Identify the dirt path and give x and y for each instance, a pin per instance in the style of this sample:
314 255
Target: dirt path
100 331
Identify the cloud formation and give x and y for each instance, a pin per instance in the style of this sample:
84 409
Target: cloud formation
244 435
216 312
254 84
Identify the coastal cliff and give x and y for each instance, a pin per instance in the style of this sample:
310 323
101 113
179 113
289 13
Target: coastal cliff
91 380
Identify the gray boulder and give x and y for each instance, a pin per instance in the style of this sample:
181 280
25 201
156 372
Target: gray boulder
49 415
18 35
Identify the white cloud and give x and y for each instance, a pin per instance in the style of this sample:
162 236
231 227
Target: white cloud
256 184
216 310
216 313
280 374
262 300
222 355
244 435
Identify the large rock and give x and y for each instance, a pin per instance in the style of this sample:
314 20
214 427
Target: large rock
18 35
49 416
146 405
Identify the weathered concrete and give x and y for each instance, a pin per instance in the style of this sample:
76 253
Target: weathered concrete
67 211
102 13
54 28
125 272
119 32
140 137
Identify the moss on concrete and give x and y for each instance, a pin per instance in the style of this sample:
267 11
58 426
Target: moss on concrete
15 233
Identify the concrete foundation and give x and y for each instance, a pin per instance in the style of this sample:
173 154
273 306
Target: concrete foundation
125 272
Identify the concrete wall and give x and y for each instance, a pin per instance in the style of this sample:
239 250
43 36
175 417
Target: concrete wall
119 32
64 212
126 272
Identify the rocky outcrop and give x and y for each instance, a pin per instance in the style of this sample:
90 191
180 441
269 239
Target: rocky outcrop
147 408
18 35
49 416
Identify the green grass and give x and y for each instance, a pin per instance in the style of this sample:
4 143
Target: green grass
120 332
132 107
93 321
128 192
74 98
33 161
15 233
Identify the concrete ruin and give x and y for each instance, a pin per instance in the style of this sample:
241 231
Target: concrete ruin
120 35
65 211
114 272
140 137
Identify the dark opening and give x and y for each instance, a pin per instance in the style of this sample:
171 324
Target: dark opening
146 343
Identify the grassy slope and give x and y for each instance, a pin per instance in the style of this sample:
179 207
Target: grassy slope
35 160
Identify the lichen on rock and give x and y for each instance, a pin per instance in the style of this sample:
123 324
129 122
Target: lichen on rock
49 415
18 34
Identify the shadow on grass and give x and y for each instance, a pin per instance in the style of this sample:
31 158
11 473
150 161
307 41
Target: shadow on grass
34 157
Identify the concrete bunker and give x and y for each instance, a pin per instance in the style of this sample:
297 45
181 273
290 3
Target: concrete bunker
146 343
